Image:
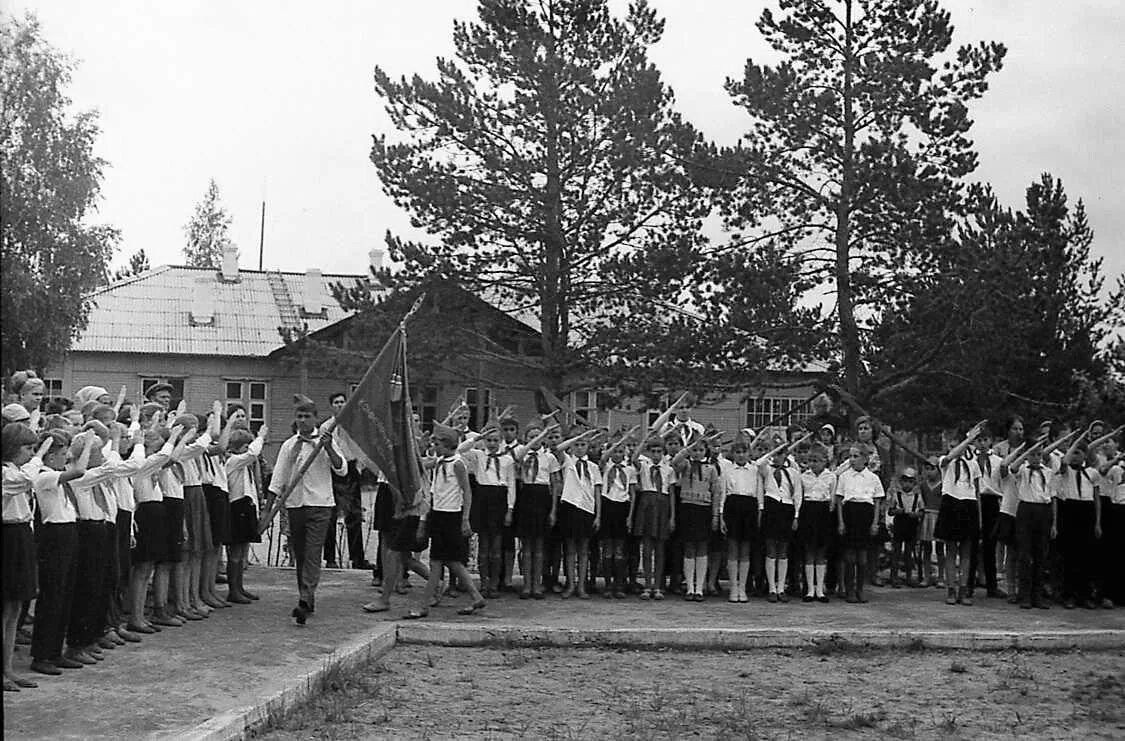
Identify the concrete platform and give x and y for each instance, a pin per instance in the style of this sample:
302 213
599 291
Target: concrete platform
215 678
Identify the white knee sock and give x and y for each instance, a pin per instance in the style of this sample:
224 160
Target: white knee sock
782 573
821 569
771 574
810 578
689 574
700 573
741 570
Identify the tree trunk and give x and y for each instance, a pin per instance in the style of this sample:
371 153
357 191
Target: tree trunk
849 331
555 317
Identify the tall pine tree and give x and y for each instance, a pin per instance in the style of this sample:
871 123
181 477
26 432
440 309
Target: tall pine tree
544 159
858 141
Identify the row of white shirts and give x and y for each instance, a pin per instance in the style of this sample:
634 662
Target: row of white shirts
122 484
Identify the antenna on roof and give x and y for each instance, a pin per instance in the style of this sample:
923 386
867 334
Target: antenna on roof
262 236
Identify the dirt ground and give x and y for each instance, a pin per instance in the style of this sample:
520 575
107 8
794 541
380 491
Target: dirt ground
834 690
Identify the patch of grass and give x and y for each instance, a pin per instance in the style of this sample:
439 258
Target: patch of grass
947 726
861 721
1018 671
431 660
817 714
801 699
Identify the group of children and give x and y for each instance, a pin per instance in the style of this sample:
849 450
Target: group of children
115 515
1046 509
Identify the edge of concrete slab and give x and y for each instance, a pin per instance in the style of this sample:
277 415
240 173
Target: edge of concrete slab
447 634
238 722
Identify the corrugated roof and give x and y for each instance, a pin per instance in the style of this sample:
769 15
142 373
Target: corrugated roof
151 312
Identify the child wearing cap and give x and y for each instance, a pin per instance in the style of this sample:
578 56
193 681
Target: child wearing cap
928 547
906 509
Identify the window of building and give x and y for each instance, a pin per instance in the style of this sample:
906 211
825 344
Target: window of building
253 398
479 402
54 388
587 404
653 412
177 385
427 410
770 410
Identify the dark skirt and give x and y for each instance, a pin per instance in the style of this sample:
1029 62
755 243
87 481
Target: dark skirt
777 520
447 544
174 519
741 516
615 520
383 517
905 528
198 522
402 536
218 510
21 574
857 525
1006 530
958 520
244 522
533 509
490 505
693 522
574 523
651 516
152 533
815 525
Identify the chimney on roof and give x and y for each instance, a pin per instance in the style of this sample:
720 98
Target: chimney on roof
230 264
313 294
376 257
202 304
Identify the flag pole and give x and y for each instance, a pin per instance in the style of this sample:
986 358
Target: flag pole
326 436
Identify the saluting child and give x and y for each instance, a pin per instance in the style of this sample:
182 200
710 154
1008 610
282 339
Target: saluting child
577 510
1036 519
817 522
958 521
652 516
243 450
619 490
446 524
698 517
780 518
539 467
20 458
1076 485
494 501
741 503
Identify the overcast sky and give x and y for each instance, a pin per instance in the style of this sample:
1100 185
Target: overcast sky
275 101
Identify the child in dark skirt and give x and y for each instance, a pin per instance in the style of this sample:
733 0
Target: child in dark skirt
244 449
19 567
959 518
447 522
619 488
817 521
779 517
494 500
652 516
538 470
906 509
577 510
700 497
858 494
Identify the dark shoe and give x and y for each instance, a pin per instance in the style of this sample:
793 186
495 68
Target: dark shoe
967 600
249 595
331 565
808 598
106 643
128 636
772 598
299 614
43 666
525 595
188 614
1088 605
997 593
1069 604
823 599
538 595
1107 603
65 662
145 629
165 620
237 598
362 565
783 597
951 597
81 657
1025 605
27 684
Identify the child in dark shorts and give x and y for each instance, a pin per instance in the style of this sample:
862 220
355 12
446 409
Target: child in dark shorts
906 509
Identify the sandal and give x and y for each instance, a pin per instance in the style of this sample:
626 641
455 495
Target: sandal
472 609
415 614
25 683
10 686
373 607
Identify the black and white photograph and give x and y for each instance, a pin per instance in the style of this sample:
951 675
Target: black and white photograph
563 369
